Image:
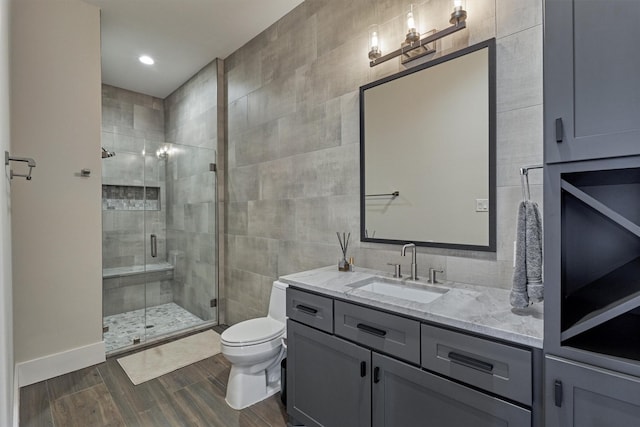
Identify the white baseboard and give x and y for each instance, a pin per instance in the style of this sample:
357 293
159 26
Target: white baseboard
44 368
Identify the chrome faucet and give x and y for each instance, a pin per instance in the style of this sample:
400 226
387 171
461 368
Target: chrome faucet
414 266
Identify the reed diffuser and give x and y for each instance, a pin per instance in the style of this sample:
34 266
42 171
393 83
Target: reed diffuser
343 264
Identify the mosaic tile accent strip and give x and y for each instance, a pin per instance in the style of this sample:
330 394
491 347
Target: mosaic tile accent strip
130 198
165 318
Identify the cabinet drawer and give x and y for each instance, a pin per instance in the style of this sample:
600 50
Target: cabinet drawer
498 368
310 309
394 335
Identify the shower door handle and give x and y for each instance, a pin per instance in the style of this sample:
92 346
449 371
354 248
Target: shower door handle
154 246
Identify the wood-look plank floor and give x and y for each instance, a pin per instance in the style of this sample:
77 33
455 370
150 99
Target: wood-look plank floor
103 395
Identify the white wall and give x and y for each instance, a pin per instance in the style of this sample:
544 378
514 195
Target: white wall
56 217
6 321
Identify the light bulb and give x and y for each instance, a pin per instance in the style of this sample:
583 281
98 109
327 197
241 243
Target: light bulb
411 23
374 43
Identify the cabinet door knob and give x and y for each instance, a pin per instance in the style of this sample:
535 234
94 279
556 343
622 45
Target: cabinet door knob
559 130
557 388
363 369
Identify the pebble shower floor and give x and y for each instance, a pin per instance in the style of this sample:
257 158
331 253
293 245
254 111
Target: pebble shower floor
165 318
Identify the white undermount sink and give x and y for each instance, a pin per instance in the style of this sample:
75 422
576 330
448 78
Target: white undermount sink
404 290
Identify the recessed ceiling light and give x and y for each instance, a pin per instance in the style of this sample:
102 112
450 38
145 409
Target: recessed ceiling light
147 60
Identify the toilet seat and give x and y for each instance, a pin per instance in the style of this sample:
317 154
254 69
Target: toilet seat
252 332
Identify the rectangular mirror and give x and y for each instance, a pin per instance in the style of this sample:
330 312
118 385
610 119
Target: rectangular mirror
427 153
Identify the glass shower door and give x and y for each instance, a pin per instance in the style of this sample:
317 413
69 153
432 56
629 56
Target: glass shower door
180 228
123 240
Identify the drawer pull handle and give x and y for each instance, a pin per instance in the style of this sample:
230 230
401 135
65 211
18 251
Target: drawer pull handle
470 361
363 369
306 309
371 330
376 374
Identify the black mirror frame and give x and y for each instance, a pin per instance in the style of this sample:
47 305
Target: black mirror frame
491 247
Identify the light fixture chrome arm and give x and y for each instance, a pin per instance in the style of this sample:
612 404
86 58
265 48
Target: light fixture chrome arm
419 44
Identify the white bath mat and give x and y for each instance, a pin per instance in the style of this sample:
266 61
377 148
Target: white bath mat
154 362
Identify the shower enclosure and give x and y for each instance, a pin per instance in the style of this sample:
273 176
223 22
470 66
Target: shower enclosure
159 238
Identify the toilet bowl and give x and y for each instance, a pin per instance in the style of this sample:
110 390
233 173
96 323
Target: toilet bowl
254 349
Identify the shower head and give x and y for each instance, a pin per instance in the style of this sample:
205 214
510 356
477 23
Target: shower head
106 154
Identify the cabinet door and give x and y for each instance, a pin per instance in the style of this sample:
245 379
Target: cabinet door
407 396
590 79
328 379
584 396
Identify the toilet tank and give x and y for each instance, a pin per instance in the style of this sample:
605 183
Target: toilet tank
278 301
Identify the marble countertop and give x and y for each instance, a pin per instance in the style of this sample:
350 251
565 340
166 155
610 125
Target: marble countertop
478 309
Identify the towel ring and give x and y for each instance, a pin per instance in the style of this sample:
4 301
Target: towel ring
524 180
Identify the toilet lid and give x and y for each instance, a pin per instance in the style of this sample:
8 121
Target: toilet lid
253 331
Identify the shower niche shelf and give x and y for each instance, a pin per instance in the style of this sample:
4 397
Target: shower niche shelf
600 282
130 198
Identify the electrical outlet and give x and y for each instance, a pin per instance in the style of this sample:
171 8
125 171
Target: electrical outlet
482 205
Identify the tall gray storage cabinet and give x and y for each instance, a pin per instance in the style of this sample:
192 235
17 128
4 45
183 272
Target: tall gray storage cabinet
592 212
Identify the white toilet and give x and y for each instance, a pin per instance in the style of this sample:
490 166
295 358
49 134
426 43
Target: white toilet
254 348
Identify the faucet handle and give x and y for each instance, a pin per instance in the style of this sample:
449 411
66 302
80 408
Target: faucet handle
432 275
396 272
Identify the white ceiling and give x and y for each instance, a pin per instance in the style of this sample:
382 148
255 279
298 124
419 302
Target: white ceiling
181 35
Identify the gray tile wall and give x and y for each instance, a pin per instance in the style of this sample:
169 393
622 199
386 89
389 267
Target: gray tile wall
128 293
191 128
293 138
133 127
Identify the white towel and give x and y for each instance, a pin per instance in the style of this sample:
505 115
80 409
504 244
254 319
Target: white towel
527 275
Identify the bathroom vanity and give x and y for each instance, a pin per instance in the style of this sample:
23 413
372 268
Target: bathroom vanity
364 352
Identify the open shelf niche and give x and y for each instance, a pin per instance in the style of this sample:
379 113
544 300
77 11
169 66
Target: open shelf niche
130 198
601 261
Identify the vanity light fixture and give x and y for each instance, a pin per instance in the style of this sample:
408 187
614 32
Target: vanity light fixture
414 39
146 60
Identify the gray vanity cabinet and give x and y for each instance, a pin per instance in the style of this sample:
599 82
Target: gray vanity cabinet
364 368
404 395
579 395
328 379
591 67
